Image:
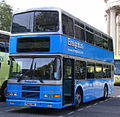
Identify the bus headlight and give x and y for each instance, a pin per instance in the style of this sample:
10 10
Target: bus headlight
45 95
11 94
15 94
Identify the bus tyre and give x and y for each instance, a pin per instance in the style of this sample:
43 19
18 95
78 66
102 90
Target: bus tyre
4 92
105 92
78 99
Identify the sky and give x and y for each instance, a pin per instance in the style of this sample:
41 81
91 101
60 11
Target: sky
89 11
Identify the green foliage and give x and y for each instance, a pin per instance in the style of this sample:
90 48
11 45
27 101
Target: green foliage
5 16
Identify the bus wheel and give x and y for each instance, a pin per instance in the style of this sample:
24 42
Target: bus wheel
105 92
4 92
78 99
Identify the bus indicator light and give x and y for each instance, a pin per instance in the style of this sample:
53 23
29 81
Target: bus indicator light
57 96
7 94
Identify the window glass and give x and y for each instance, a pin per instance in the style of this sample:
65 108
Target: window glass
109 71
3 40
35 68
106 71
105 44
90 70
68 69
80 70
117 67
22 22
98 41
98 71
79 24
46 21
67 25
110 44
89 37
2 46
79 33
112 72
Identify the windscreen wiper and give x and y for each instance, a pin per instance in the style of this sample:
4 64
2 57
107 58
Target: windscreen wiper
37 74
29 71
20 78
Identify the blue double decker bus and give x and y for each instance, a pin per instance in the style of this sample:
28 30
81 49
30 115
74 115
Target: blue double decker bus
60 60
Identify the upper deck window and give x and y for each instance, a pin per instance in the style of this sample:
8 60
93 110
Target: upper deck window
46 21
22 22
37 21
67 25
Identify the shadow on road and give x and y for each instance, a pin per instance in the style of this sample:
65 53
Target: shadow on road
51 112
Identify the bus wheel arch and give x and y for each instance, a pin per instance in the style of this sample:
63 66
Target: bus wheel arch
78 97
4 91
105 91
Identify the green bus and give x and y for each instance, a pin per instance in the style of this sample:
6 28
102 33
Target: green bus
4 62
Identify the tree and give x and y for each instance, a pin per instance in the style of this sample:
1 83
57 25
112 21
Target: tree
5 16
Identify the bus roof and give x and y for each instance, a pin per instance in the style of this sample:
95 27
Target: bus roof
37 9
61 10
4 32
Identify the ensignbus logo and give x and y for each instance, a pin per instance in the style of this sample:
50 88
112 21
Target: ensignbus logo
75 44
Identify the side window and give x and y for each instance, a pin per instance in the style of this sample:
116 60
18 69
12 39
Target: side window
2 46
79 31
110 44
4 42
80 70
105 42
90 70
98 41
7 44
67 25
89 35
106 71
112 72
98 71
109 71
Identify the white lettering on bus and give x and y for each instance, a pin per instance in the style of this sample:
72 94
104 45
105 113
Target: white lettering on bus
74 44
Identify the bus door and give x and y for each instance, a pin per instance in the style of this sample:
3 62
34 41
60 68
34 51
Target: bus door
68 81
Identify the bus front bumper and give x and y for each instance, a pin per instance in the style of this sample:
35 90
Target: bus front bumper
44 104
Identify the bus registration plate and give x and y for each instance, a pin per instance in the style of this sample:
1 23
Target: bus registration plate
30 104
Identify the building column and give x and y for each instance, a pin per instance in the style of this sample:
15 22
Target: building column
113 27
118 35
108 23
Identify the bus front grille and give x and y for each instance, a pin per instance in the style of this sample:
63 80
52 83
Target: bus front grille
30 94
31 88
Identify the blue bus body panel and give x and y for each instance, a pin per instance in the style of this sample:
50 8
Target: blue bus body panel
94 89
34 95
60 44
27 96
64 45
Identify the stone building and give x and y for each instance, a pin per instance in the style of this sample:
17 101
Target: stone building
113 23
